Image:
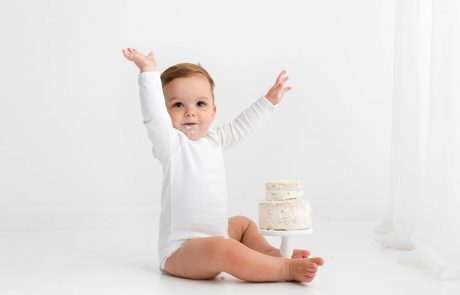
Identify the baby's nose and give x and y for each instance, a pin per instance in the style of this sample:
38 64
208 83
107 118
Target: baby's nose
190 113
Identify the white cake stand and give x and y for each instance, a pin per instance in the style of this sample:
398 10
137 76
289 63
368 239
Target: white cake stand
285 247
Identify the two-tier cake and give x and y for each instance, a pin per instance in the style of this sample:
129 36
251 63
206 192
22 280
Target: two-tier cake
284 207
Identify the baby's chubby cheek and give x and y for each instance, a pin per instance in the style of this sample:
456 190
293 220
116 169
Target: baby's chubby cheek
176 124
176 121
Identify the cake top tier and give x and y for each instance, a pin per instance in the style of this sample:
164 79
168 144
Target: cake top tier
283 185
281 190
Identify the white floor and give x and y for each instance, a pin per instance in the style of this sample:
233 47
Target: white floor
123 261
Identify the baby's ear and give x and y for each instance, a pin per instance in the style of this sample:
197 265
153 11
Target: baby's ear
214 108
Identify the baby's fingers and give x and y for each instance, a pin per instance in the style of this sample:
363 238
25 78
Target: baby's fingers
127 54
133 52
286 89
283 80
280 76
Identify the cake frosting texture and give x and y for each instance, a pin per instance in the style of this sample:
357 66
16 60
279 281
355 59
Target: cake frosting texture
284 207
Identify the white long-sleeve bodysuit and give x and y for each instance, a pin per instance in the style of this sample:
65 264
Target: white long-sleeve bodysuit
194 193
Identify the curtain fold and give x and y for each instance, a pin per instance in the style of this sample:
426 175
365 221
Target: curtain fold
425 144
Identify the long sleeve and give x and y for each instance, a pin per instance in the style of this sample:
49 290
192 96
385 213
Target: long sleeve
245 123
164 138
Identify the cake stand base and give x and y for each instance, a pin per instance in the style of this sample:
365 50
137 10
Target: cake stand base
286 246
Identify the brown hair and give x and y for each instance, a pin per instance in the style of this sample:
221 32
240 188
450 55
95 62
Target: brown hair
183 70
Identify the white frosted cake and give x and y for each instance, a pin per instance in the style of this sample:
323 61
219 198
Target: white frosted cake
284 207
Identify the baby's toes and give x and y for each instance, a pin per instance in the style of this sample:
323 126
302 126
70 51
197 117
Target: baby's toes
311 270
298 253
310 277
317 260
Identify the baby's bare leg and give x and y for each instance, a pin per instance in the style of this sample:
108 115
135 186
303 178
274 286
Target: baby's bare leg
244 230
204 258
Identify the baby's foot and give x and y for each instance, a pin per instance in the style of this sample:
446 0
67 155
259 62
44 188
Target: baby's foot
299 253
304 270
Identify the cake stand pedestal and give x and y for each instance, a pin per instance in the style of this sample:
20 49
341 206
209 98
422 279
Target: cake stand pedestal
286 246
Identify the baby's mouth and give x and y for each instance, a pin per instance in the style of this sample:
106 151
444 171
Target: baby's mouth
189 125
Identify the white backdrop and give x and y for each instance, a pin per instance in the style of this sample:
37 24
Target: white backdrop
425 162
74 152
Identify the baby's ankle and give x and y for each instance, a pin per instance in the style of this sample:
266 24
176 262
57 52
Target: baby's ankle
287 270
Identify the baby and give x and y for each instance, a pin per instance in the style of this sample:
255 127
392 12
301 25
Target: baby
197 240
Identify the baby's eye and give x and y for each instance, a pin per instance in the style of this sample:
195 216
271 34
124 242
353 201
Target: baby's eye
177 105
201 104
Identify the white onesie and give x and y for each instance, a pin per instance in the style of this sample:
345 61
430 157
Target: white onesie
194 193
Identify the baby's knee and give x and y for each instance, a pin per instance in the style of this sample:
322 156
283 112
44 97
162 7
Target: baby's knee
222 250
243 221
227 251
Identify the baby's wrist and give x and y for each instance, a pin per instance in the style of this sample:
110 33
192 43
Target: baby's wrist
147 69
274 101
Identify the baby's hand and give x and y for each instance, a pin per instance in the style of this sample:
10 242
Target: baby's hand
145 63
275 94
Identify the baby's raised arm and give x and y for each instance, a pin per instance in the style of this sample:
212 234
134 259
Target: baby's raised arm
145 63
164 137
251 118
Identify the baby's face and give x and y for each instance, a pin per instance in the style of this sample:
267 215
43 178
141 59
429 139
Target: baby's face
190 105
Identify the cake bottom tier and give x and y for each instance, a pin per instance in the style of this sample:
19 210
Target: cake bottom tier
285 215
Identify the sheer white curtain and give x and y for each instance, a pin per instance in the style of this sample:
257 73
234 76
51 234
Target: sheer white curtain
425 169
